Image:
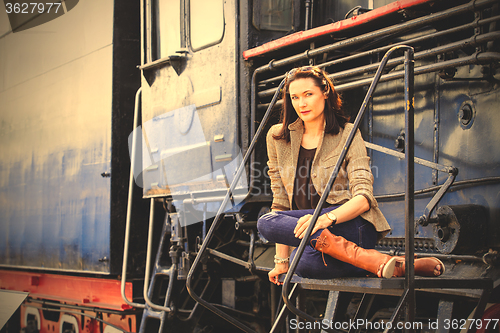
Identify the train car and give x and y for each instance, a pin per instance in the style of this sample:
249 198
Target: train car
68 79
206 90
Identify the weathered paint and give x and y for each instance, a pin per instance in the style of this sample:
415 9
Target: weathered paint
55 150
87 291
183 115
332 28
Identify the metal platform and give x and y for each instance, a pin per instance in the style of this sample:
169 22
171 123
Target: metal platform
395 286
370 286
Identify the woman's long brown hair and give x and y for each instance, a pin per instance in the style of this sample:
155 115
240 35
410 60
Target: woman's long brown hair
334 114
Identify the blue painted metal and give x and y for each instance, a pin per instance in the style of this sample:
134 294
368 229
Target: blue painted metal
59 152
472 151
56 128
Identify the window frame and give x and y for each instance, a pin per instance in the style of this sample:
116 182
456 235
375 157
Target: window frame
150 27
151 48
256 19
188 27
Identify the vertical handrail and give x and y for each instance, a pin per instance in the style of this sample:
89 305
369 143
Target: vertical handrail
218 219
409 187
314 218
133 157
129 204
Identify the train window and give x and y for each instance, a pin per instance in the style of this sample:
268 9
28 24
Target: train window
206 18
168 27
273 15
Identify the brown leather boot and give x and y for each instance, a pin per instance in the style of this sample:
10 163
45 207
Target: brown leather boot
423 266
370 260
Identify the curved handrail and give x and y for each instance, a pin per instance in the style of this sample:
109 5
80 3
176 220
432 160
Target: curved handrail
129 204
314 218
217 220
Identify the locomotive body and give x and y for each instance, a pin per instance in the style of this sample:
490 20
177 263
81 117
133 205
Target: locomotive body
65 100
209 70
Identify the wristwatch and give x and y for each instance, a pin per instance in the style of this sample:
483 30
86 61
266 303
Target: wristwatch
332 217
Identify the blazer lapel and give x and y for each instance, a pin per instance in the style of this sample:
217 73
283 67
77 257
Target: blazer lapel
327 144
318 153
296 131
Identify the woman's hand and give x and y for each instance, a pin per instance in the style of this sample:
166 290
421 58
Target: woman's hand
302 224
276 272
348 211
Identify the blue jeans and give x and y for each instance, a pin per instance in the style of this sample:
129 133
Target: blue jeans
277 227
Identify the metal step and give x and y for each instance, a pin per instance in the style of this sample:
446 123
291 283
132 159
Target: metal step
393 286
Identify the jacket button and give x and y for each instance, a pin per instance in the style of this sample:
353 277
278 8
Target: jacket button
314 175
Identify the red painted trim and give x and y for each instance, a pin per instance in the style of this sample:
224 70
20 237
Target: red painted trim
330 28
102 293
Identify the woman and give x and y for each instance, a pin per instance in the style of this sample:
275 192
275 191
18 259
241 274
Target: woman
302 151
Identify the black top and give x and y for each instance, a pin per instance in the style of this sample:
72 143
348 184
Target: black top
304 193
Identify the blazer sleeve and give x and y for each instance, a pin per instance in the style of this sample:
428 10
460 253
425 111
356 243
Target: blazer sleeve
280 196
359 172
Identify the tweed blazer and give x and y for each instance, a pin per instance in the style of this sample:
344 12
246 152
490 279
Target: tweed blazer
354 178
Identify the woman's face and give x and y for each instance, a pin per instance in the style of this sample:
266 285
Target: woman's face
308 100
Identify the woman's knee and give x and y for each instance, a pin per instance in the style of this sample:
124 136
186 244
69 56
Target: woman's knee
264 223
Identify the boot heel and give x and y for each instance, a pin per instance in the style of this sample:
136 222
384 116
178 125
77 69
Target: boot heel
388 269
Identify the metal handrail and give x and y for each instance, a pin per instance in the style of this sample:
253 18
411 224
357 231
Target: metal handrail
452 174
370 36
217 220
474 24
427 53
129 205
409 181
409 295
146 292
171 271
